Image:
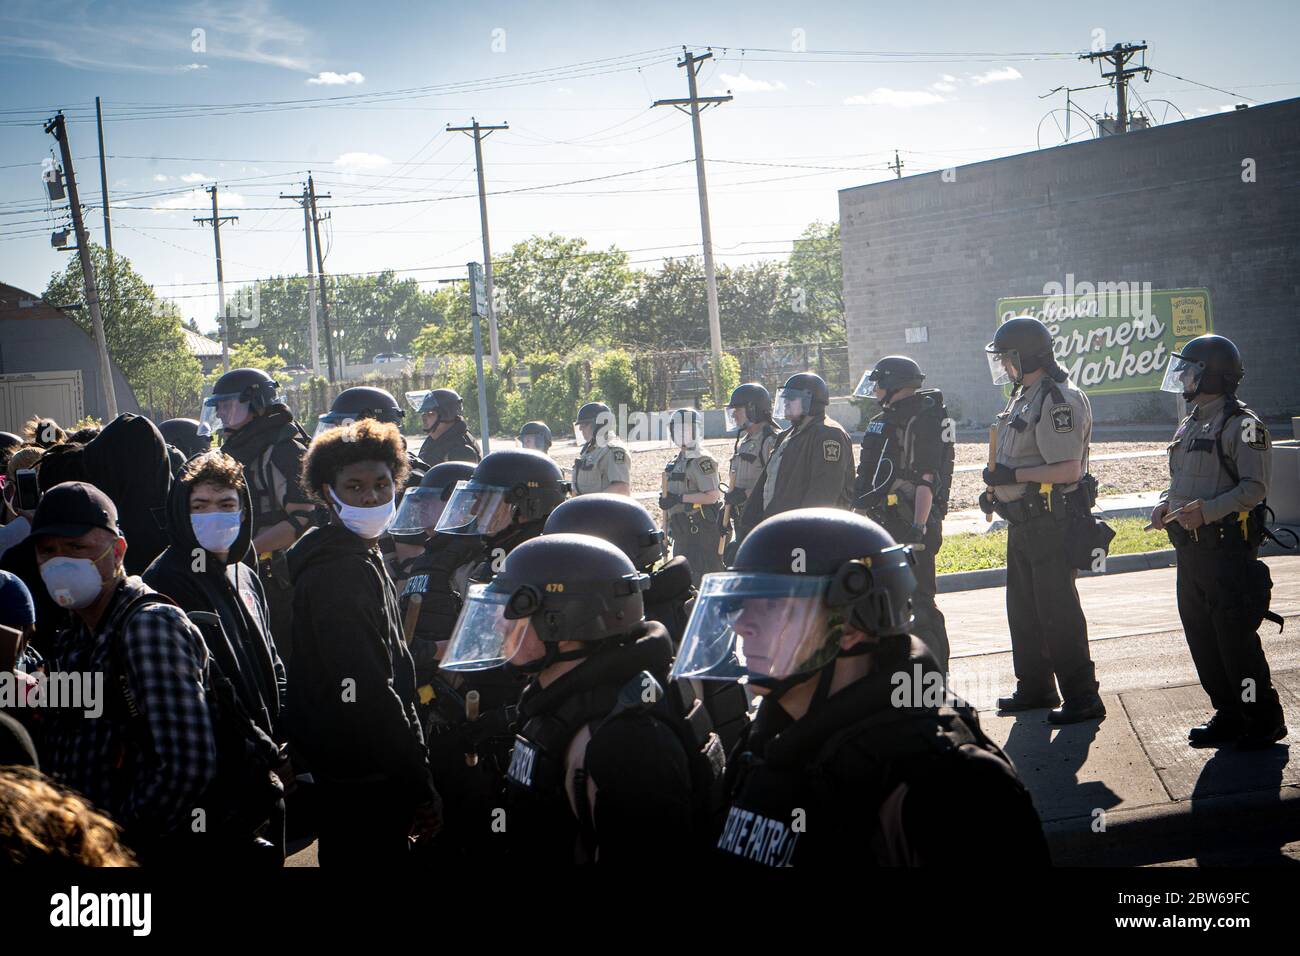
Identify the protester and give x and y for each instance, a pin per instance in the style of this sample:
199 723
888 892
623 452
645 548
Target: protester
45 826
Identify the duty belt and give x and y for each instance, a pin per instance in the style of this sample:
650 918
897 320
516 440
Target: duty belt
1047 500
1230 532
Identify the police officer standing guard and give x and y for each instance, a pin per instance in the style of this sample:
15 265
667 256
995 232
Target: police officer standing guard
1219 467
904 475
690 497
442 413
1042 453
749 415
261 434
812 464
603 463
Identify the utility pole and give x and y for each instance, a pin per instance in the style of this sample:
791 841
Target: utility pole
697 105
216 219
1118 56
320 277
897 166
108 225
59 130
480 133
312 335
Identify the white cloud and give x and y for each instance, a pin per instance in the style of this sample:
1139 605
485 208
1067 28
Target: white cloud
740 83
362 161
996 76
329 78
943 86
190 67
194 178
160 178
902 99
197 198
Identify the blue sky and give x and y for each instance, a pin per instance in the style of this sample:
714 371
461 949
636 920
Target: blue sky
942 83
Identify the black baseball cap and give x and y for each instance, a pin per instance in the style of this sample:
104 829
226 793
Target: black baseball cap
72 508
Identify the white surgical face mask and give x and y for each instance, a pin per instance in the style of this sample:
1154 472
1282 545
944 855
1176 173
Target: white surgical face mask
368 523
73 582
216 530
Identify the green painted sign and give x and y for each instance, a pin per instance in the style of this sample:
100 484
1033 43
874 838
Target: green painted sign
1115 337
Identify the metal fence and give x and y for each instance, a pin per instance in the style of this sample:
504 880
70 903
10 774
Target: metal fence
671 378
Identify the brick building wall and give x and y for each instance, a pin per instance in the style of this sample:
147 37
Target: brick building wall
1165 205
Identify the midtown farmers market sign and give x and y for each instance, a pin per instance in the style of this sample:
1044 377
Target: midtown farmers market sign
1115 337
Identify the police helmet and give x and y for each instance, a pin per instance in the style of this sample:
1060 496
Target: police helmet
250 387
1208 364
514 483
1020 346
446 403
361 401
535 435
684 427
423 504
754 399
185 434
802 395
622 521
569 587
891 373
598 416
797 576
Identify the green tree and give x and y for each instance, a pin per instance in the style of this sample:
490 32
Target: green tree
251 354
816 280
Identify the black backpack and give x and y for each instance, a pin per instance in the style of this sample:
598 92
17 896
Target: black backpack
933 407
244 791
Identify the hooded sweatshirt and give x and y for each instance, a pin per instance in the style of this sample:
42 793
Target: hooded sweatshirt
352 701
128 461
241 647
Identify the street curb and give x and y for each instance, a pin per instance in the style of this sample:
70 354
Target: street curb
997 577
1161 834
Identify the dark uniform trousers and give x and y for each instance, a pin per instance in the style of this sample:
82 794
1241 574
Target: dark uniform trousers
930 625
1049 635
1222 635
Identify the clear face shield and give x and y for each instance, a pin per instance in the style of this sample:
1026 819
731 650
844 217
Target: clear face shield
476 509
223 411
792 403
323 424
421 508
534 441
1182 377
866 385
757 627
684 431
486 636
1004 367
736 419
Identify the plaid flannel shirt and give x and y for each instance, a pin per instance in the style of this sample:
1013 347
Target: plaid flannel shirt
167 670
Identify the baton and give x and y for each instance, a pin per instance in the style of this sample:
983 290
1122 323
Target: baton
471 715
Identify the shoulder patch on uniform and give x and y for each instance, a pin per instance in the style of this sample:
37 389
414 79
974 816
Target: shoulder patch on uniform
1063 417
831 450
1254 433
619 455
706 466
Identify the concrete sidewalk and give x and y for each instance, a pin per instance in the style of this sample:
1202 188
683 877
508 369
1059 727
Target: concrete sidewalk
1128 790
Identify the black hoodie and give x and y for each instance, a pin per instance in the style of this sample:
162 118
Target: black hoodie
241 648
352 699
128 461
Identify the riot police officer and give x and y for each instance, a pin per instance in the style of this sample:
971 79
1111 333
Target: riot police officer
1038 484
904 475
364 401
433 573
260 432
442 414
749 415
186 435
812 464
859 752
600 771
1213 510
627 525
690 495
535 435
603 463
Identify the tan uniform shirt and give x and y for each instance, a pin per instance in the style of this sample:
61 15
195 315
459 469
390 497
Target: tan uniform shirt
751 454
600 465
1195 470
1039 430
688 475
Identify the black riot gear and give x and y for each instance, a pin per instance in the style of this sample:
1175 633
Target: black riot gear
184 433
591 412
362 401
446 403
893 372
536 435
1026 343
1214 364
423 504
809 389
514 483
622 521
754 399
250 385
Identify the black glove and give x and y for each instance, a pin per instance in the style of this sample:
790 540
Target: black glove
986 502
1000 475
735 497
669 501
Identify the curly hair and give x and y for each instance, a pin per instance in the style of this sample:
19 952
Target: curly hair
43 823
364 440
216 467
28 456
44 432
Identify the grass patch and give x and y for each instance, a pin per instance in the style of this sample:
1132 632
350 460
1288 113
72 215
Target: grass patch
975 552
